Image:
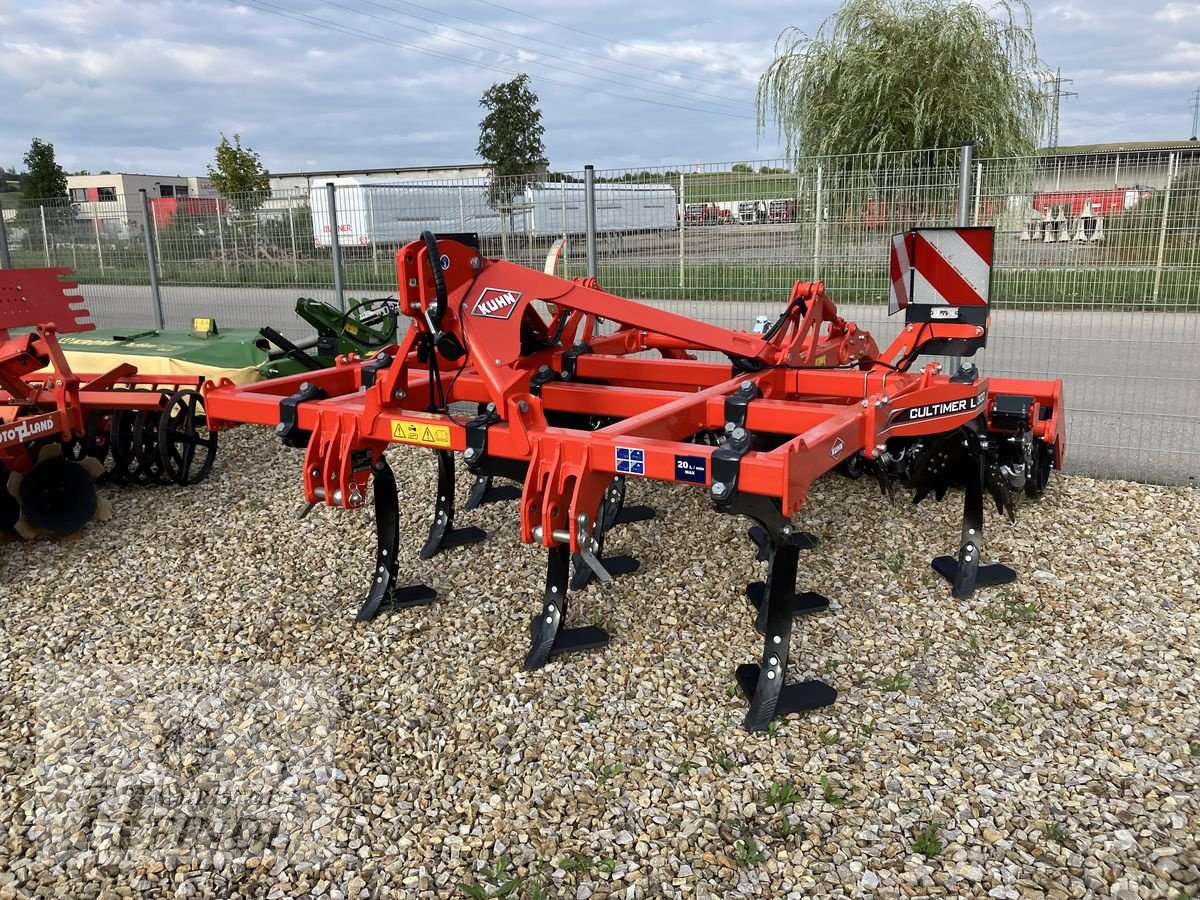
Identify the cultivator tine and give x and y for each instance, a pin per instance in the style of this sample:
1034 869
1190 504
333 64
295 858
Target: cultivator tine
763 683
611 566
802 539
803 604
442 533
966 573
484 490
548 637
384 593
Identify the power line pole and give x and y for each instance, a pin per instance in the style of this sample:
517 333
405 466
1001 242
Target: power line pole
1054 89
1195 104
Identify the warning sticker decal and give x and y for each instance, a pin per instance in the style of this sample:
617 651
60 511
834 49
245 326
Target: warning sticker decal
421 433
631 460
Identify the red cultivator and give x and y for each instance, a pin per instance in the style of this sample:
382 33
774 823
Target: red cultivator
58 428
572 414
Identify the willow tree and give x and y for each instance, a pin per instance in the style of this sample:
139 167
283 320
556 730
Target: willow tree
888 75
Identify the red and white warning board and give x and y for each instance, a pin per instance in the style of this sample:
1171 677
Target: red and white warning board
940 267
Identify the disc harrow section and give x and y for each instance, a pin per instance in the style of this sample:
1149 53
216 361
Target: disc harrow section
567 419
62 432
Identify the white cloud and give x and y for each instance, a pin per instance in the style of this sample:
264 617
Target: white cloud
1178 12
1154 79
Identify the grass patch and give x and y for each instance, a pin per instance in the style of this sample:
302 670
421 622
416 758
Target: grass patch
898 682
928 841
780 795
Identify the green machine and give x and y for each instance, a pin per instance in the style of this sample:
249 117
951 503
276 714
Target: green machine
365 326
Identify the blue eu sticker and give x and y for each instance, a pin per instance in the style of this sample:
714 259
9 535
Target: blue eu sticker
691 468
631 460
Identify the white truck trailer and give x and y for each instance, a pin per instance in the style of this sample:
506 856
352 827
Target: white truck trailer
373 212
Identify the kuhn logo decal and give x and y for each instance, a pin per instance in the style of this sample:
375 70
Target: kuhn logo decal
937 410
838 446
496 303
26 429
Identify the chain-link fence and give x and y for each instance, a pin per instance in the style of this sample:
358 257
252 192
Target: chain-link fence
1096 277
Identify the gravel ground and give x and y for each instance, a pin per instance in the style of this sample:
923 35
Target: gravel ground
188 709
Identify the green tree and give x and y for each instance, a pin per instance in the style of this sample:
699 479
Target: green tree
887 75
44 177
239 175
510 139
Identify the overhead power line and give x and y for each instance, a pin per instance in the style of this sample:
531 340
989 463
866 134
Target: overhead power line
325 24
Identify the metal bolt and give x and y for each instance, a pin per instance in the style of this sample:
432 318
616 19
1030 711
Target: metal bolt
469 453
400 394
718 488
305 387
498 362
739 434
777 639
774 660
771 674
522 405
581 518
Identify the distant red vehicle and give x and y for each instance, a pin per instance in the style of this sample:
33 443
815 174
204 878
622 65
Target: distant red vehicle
1105 202
781 211
705 214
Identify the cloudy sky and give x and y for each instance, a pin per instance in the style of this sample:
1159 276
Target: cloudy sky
146 85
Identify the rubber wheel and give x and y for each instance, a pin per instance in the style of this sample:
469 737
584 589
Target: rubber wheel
58 496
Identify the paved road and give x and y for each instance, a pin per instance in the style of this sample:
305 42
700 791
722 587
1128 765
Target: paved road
1132 379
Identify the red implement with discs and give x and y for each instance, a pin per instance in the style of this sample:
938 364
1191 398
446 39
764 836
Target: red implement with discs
572 414
58 428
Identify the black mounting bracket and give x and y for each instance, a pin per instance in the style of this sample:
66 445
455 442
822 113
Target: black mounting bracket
288 429
570 359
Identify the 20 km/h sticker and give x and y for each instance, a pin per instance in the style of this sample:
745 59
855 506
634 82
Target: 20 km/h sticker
421 433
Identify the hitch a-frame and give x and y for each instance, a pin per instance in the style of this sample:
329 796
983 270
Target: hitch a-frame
568 400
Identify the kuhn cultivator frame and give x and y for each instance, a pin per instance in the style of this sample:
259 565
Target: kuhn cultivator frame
571 413
57 428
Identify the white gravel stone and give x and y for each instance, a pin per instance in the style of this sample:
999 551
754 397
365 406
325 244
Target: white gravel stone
187 707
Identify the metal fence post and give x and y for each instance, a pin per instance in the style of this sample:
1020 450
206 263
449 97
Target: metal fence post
151 255
817 223
978 191
221 241
374 246
682 222
5 258
292 232
45 237
157 243
1162 231
965 170
99 246
589 203
336 243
